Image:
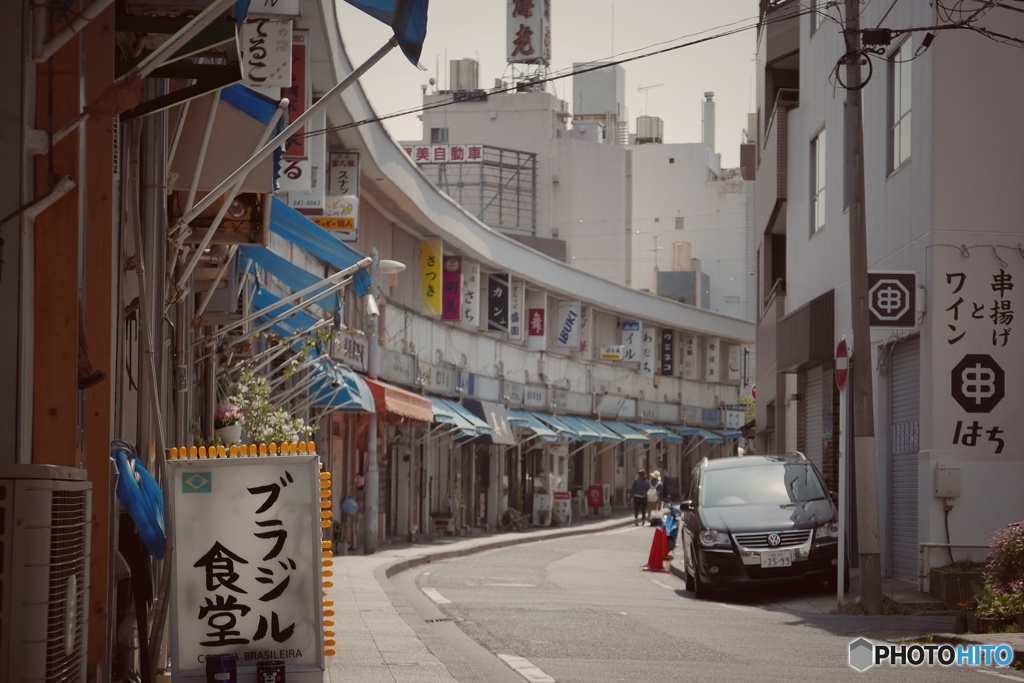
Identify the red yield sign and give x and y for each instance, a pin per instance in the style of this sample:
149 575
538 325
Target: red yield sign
842 364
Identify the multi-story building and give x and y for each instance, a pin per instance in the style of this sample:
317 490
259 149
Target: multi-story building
943 238
563 180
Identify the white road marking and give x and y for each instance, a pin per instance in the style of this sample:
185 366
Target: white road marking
512 585
741 609
663 585
436 596
524 668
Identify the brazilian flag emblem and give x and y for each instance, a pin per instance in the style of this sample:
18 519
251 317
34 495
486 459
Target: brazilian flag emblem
197 482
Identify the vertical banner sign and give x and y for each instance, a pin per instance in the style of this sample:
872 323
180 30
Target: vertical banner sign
536 320
313 168
647 354
690 357
451 289
632 340
430 273
516 304
711 360
568 325
246 573
298 94
978 366
667 352
498 287
471 295
733 374
265 53
341 204
529 31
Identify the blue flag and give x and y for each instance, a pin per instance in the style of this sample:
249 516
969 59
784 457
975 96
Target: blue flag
408 19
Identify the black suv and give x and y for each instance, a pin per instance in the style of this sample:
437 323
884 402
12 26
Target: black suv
758 518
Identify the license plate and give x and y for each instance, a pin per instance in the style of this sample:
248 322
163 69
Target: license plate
776 558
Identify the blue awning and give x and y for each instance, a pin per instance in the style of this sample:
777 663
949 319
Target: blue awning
260 107
290 275
628 434
271 307
656 432
707 434
590 430
525 420
297 229
452 413
731 433
561 427
341 389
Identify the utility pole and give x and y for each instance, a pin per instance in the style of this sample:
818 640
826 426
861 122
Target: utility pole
864 455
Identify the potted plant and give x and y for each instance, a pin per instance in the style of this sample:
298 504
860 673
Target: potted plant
227 424
264 423
997 608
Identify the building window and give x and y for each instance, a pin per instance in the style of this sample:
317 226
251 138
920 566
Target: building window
818 182
899 105
438 135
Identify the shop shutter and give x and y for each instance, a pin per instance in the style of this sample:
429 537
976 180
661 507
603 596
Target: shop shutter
905 382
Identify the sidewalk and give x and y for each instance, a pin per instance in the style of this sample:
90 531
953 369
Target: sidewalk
378 641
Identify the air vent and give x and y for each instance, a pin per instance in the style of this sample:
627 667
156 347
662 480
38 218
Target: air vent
44 573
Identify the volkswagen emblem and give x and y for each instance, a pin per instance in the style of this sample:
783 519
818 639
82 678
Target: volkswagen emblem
774 540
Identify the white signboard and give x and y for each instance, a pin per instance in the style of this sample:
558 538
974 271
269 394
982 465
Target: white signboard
265 53
978 365
632 340
342 200
246 574
647 354
516 310
690 363
304 179
445 154
288 8
529 32
567 325
470 295
712 359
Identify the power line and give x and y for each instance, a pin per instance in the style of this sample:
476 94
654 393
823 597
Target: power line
566 73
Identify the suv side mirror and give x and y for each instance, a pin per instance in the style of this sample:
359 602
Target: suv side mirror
686 505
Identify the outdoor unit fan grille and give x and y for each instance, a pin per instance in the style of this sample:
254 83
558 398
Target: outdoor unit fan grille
69 583
45 515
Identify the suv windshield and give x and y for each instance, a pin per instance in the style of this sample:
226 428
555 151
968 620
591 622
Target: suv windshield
778 484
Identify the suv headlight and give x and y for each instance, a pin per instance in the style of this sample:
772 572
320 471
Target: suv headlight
830 530
710 537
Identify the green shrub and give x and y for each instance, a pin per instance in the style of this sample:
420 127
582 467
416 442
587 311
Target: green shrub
514 520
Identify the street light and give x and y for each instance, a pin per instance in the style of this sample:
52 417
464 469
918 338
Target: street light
372 481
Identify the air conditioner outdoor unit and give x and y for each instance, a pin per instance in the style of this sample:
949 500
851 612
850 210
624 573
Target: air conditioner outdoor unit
45 515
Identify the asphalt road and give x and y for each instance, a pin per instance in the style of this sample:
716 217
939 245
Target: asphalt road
582 609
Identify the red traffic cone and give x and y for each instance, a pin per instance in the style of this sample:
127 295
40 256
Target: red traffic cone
659 549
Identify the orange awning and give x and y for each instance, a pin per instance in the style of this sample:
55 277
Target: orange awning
391 399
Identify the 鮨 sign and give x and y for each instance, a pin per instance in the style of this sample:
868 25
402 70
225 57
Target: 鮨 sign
246 577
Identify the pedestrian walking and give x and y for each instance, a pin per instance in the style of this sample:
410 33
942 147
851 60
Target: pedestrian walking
640 486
